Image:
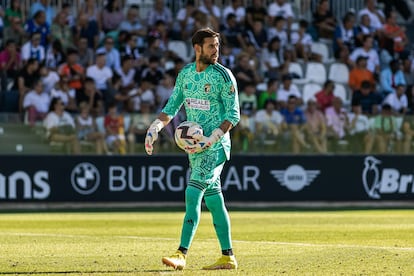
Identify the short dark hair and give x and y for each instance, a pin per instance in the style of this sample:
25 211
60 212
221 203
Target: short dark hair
200 35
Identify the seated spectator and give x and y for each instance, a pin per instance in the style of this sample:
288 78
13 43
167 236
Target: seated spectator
367 99
113 58
257 36
85 54
134 26
139 125
55 56
281 8
60 126
185 21
49 78
38 25
10 64
127 73
397 100
36 103
268 124
368 51
163 91
61 31
337 121
408 134
256 11
33 49
131 49
231 33
323 20
376 16
384 131
159 12
45 7
359 74
86 28
66 94
236 7
142 93
92 96
295 120
153 72
208 7
87 129
115 131
364 28
248 100
154 49
26 79
72 69
245 71
324 98
278 29
390 77
111 16
89 10
396 33
286 90
14 11
102 75
315 127
345 35
15 31
272 60
269 93
358 129
302 41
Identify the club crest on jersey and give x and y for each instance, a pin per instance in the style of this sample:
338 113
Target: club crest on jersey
207 87
232 89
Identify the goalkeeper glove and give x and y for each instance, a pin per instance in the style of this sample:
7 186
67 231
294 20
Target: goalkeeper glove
205 142
152 135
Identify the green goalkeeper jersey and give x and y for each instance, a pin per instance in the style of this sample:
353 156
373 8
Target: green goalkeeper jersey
209 98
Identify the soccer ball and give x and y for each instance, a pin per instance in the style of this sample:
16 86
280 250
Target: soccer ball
185 132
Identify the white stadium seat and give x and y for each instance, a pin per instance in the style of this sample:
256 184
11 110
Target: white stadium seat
340 92
309 91
315 72
180 48
322 50
338 72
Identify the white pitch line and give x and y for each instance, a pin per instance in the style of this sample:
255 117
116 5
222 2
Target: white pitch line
299 244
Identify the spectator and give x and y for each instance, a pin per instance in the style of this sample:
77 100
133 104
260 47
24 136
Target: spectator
408 134
248 106
48 77
72 69
302 42
272 59
367 98
55 56
115 130
164 90
66 94
185 21
268 123
153 72
45 7
178 65
269 93
100 72
281 8
232 34
208 7
245 71
10 64
256 11
359 127
376 16
87 129
13 12
295 120
60 126
235 7
61 31
286 90
33 49
154 49
337 121
227 58
111 16
159 12
85 54
257 36
127 73
323 20
15 31
345 35
130 49
277 29
36 103
248 100
134 26
364 28
397 100
368 51
88 29
159 31
113 58
39 25
391 76
397 34
360 73
142 93
315 127
324 98
26 79
89 10
92 96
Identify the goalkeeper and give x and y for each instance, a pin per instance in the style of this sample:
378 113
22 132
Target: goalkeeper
208 91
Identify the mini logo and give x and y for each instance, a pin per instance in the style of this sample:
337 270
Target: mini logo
85 178
232 89
371 177
295 177
207 88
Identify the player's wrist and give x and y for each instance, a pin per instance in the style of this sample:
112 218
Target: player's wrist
216 135
157 125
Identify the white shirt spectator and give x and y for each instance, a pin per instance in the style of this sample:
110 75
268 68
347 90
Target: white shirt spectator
396 103
146 96
283 94
361 124
28 51
50 81
63 96
100 75
285 10
373 59
264 118
215 10
39 101
374 19
113 58
305 40
126 78
282 35
53 120
240 13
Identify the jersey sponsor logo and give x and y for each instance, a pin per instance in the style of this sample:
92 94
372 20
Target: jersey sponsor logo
378 182
198 104
207 88
295 177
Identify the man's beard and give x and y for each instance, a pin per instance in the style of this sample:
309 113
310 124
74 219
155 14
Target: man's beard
206 59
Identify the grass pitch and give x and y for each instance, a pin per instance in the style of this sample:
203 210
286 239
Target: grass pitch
333 242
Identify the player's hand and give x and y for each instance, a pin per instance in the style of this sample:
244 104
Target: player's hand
152 135
204 142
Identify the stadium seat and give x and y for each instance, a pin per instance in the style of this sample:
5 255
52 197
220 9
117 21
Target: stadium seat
338 72
309 91
322 50
340 92
315 72
296 68
179 47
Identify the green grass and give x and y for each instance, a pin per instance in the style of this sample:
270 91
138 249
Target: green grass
340 242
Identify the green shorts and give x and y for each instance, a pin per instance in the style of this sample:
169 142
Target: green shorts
206 168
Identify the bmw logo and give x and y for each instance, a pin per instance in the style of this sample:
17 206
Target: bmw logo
85 178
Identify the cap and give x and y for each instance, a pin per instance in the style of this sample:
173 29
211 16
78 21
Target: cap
100 52
286 77
361 57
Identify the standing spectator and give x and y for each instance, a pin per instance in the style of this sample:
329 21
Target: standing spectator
286 90
316 127
36 103
10 64
390 77
269 93
367 98
60 126
87 129
26 79
235 7
111 16
325 97
66 94
295 120
397 100
256 11
323 20
115 131
92 96
359 74
33 49
60 30
159 12
281 8
368 51
88 29
39 25
113 58
45 7
376 16
72 69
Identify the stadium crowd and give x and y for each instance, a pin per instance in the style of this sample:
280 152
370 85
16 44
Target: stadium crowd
99 74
